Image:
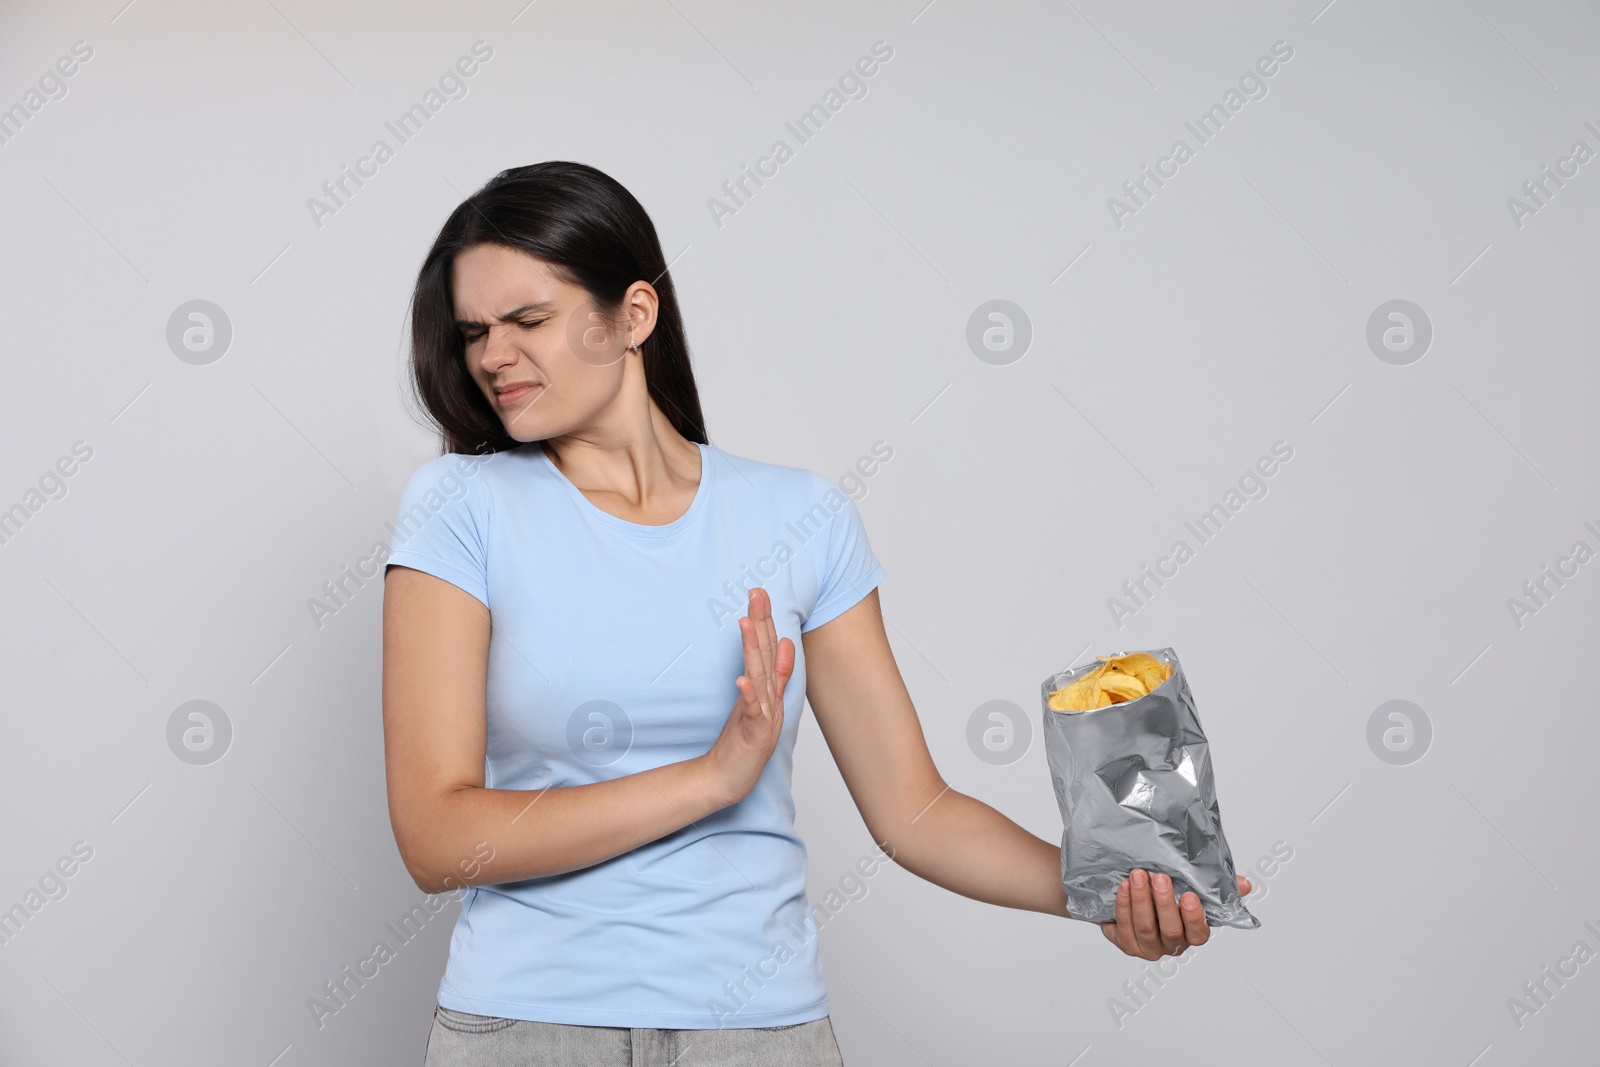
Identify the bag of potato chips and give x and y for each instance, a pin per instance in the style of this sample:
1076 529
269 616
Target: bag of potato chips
1132 774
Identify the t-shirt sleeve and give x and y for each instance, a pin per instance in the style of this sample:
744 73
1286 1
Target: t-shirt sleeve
848 570
442 524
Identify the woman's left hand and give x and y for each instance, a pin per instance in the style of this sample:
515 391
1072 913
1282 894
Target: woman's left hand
1151 924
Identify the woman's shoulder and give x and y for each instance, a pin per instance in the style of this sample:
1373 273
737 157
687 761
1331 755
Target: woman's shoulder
461 475
771 480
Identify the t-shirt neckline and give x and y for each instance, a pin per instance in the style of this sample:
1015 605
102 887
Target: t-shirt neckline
588 507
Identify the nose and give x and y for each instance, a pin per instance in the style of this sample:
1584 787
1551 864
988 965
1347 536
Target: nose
498 351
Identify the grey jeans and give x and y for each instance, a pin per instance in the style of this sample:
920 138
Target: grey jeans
459 1039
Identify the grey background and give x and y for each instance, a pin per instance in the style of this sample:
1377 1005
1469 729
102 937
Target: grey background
829 313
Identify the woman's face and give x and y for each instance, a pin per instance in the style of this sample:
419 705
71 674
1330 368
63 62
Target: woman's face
545 359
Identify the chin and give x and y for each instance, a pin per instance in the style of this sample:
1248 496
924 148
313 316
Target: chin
524 425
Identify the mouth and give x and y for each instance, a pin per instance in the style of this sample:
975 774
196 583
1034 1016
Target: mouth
510 394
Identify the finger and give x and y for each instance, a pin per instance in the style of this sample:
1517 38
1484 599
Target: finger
768 635
1144 916
756 659
744 643
1195 927
783 662
1244 885
749 691
1125 936
748 705
1110 930
755 725
747 640
743 709
1167 917
769 624
755 666
773 651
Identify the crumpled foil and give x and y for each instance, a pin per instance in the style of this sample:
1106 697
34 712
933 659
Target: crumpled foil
1135 788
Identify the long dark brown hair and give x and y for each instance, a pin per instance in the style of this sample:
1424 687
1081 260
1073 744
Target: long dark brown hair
594 234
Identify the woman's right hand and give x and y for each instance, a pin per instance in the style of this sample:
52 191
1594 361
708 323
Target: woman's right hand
750 735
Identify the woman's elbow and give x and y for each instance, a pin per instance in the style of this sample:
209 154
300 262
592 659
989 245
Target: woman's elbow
433 858
433 877
418 863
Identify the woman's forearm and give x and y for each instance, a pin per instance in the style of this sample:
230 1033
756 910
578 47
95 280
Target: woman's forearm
476 836
967 847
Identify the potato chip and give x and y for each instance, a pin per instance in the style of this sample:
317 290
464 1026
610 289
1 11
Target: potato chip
1151 671
1122 686
1116 680
1082 695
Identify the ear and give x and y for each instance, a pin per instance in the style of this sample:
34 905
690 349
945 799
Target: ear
641 303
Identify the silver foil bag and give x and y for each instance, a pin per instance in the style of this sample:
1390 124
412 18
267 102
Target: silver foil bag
1135 788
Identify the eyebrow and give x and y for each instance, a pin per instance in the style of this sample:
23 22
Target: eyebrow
514 313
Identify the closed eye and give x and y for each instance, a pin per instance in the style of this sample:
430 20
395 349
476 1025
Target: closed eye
471 336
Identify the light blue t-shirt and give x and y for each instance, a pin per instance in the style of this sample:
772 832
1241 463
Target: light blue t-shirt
614 649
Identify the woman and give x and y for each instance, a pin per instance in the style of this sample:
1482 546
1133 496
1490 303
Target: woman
633 888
